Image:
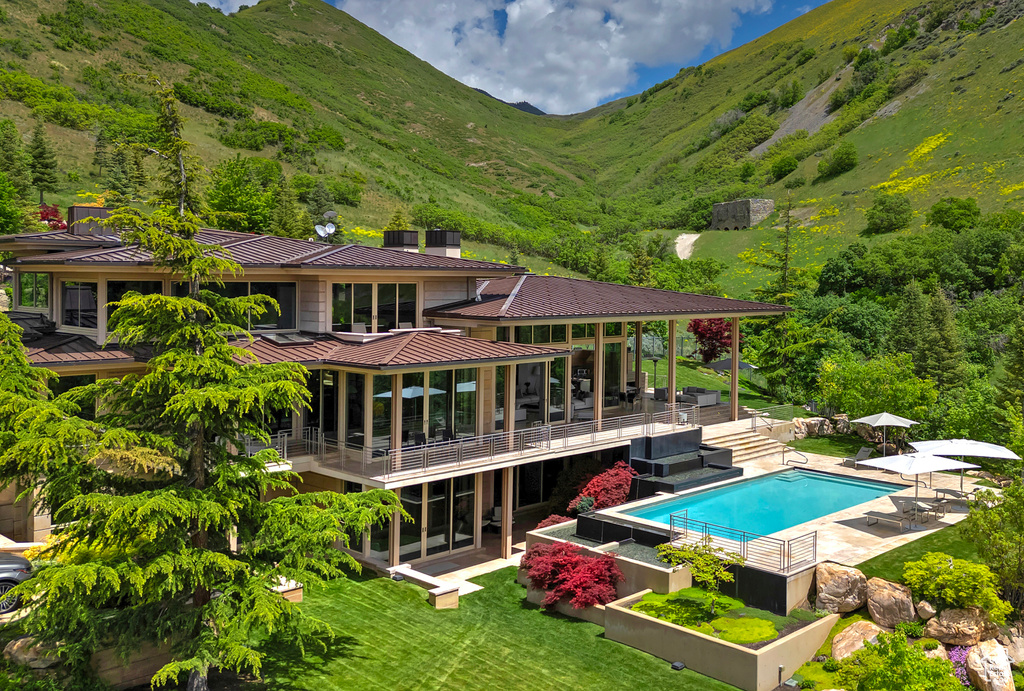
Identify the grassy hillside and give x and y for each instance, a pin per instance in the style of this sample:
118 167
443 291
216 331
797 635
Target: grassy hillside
305 84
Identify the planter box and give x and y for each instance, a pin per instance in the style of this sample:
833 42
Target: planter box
751 670
595 614
141 667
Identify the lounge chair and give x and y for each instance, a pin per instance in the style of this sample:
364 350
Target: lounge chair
897 518
862 455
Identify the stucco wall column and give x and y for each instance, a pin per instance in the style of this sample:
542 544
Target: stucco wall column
670 357
506 513
734 386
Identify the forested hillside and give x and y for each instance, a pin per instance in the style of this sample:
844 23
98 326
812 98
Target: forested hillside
888 132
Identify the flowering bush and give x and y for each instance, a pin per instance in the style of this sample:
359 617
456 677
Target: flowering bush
610 488
564 571
50 215
958 656
553 519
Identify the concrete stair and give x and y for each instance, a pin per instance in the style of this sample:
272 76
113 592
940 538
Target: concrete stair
745 445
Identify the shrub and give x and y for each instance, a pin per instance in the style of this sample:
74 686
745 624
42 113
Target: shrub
709 565
908 76
842 159
783 166
794 182
954 214
608 489
564 571
949 582
830 665
850 54
553 519
911 629
890 212
931 645
894 665
50 215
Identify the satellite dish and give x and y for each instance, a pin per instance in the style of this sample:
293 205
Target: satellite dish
321 231
330 214
331 229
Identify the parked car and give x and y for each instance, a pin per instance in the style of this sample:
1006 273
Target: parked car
13 570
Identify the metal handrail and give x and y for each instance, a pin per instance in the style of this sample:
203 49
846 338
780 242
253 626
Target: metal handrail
771 415
759 551
798 453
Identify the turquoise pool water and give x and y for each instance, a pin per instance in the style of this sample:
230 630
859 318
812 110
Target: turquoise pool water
770 503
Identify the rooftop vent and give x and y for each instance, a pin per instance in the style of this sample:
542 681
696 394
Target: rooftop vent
79 226
443 243
405 240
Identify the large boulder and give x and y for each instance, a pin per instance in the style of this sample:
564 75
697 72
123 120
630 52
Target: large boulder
890 603
1013 641
799 428
842 423
925 610
25 651
866 432
853 637
839 588
818 427
988 667
961 627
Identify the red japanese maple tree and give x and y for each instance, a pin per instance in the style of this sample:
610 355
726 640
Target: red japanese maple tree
714 337
553 519
566 572
50 215
608 489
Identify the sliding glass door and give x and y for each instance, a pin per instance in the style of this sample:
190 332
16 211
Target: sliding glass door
444 517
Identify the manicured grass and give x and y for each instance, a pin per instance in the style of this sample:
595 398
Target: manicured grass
388 637
890 565
838 445
731 622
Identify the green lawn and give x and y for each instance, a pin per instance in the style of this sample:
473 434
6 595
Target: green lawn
890 565
838 445
390 638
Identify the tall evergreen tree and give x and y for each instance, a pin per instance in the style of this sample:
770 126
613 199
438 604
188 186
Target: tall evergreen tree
151 491
908 326
101 153
118 178
940 354
778 259
398 222
641 267
1011 385
287 218
43 162
137 173
12 219
320 200
14 162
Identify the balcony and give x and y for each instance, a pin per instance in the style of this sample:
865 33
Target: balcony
395 467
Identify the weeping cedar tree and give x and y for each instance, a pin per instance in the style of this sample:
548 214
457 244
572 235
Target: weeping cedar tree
153 490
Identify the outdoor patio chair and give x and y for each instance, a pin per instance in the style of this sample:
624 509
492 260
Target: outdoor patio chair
359 328
661 394
862 455
895 518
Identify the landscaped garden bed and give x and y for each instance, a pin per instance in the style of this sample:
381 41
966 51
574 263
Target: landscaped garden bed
731 621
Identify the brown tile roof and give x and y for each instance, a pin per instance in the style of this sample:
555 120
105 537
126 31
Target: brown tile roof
61 350
62 237
251 250
532 297
420 348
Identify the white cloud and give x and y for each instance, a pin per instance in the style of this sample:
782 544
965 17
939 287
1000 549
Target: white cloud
563 56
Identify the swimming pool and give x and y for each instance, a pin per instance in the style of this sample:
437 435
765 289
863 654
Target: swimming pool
770 503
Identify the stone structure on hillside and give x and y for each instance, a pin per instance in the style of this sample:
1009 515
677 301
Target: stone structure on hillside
741 213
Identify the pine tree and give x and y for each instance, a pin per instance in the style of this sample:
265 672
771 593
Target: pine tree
320 200
118 179
908 326
286 218
940 354
13 159
1011 385
12 220
43 162
778 258
151 492
101 155
137 173
398 222
641 267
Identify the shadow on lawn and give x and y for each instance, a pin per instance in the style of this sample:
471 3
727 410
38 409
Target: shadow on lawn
286 661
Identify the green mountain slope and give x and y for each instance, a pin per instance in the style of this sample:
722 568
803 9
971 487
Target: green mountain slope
302 82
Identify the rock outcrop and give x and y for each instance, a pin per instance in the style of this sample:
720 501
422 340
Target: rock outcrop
890 603
25 651
961 627
1013 641
839 588
988 667
925 610
853 637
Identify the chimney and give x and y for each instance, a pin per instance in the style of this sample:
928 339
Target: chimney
78 226
444 243
405 240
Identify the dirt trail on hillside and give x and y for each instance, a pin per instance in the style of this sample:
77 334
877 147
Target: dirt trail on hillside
810 114
685 243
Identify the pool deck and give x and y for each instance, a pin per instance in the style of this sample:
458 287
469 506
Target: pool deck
844 536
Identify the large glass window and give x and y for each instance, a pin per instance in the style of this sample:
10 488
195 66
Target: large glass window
353 309
556 396
279 421
118 289
78 304
380 542
465 402
499 398
439 509
613 329
70 381
524 334
34 290
355 420
284 294
440 406
409 532
612 374
558 333
382 397
531 394
463 511
412 409
583 330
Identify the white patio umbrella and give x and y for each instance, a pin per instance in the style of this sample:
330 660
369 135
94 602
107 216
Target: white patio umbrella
964 447
885 420
917 464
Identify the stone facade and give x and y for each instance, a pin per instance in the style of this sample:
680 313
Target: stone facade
741 213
